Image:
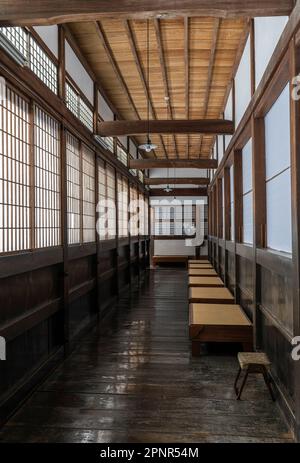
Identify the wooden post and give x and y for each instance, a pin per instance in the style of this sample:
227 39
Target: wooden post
259 217
61 63
238 214
227 217
295 170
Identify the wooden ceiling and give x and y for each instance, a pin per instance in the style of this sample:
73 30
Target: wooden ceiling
192 61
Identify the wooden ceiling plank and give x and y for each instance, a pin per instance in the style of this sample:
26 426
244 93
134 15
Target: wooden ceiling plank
132 43
211 70
165 75
35 12
187 76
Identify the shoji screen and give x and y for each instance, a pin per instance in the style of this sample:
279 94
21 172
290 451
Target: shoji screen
14 173
111 203
134 231
278 174
247 194
223 209
220 141
101 206
243 85
231 172
46 179
88 195
73 188
123 206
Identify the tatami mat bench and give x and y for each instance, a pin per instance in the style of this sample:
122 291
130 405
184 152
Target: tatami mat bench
210 296
205 282
202 272
200 265
219 323
195 261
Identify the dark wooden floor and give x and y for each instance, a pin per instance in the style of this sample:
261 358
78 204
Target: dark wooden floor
138 383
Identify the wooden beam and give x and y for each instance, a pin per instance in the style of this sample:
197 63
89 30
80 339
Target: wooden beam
142 164
208 126
46 12
180 192
132 43
164 75
176 181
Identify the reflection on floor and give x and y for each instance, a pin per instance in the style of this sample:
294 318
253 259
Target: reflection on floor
137 382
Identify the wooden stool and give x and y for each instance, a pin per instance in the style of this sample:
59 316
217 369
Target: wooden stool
253 362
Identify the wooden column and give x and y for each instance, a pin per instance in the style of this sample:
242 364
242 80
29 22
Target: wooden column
259 217
295 170
227 216
61 63
238 214
64 240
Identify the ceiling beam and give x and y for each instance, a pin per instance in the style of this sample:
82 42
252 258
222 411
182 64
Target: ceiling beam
143 164
208 126
176 181
165 76
180 192
132 43
37 12
210 70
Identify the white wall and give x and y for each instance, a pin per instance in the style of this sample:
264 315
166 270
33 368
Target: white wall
231 171
79 74
49 35
243 85
267 34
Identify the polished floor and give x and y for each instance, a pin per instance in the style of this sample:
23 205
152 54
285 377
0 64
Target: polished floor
136 382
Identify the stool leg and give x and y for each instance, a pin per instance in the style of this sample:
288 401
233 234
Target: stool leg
243 384
268 383
237 380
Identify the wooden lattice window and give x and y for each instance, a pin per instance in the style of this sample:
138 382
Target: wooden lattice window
123 206
46 179
111 203
88 195
73 189
15 178
134 229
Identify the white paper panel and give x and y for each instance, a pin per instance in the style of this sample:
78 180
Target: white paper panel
247 167
79 74
227 140
267 34
220 147
104 110
243 84
248 218
277 134
49 35
231 171
229 107
279 220
123 141
173 248
132 149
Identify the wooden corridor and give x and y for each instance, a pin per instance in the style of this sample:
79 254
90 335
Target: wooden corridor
136 382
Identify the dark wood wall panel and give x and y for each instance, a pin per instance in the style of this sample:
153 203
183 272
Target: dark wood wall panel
245 284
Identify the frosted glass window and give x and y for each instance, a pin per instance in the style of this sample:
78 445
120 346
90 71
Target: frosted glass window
79 74
49 35
247 193
243 84
267 34
278 175
247 167
277 133
248 218
279 222
231 171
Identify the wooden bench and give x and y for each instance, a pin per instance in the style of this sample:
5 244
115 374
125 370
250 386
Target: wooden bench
202 272
205 282
170 259
199 266
194 261
210 296
219 323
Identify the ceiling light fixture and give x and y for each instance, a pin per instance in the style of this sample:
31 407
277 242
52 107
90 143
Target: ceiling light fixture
148 146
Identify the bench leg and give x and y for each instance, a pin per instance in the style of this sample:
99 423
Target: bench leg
236 381
196 349
243 385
